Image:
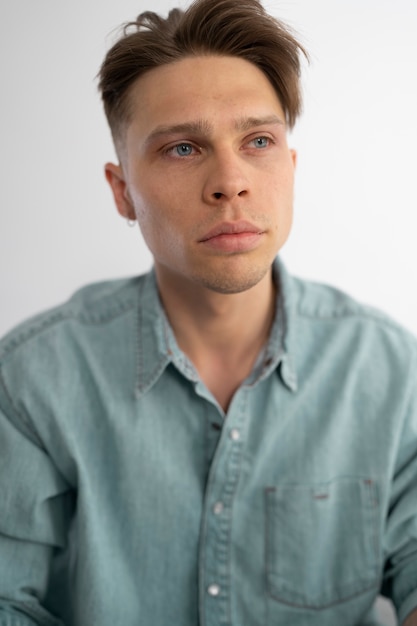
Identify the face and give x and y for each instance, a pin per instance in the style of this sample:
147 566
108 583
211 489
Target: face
207 172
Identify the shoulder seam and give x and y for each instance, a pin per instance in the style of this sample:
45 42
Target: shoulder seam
363 314
65 314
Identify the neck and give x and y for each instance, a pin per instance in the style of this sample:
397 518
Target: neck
222 334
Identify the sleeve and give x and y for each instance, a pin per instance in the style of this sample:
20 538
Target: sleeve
13 618
400 579
35 509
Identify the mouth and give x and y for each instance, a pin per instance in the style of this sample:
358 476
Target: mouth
232 237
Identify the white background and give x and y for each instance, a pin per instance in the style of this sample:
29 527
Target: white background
356 191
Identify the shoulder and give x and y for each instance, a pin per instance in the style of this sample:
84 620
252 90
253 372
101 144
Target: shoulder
328 315
320 301
92 305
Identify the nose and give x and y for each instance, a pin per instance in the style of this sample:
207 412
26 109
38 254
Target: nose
225 178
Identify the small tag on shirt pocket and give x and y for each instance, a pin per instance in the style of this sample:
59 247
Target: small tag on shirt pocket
322 541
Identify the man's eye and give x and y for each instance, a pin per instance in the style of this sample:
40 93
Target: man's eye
182 149
261 142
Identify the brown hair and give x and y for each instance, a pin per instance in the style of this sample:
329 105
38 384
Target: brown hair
240 28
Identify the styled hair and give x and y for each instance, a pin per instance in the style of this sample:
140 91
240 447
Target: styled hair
240 28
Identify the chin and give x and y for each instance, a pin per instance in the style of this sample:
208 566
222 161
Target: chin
227 282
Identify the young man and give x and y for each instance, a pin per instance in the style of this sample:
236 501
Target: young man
214 443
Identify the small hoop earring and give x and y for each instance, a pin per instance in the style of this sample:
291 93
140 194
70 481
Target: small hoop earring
131 223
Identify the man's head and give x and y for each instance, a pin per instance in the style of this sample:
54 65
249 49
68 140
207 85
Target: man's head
239 28
199 105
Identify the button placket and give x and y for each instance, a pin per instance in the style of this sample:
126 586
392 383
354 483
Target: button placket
223 479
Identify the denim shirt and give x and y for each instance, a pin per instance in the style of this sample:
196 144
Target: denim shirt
128 497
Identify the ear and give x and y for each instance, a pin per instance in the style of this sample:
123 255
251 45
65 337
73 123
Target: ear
293 154
115 178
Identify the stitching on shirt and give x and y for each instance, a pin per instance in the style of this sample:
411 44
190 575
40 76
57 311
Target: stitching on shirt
143 384
19 415
96 319
37 328
336 314
243 424
355 310
277 598
372 500
32 331
325 606
339 304
383 323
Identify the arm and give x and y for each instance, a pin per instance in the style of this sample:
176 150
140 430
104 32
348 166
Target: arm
400 539
33 516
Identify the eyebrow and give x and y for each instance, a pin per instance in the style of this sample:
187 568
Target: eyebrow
202 127
247 123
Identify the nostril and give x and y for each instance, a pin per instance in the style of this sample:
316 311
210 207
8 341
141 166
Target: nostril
217 195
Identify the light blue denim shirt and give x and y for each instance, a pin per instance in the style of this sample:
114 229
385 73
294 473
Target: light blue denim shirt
128 498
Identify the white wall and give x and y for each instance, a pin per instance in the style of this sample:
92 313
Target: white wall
356 204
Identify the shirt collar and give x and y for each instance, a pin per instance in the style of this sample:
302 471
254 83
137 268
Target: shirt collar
153 354
281 342
157 347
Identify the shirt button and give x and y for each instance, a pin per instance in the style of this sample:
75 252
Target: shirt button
218 508
235 434
213 590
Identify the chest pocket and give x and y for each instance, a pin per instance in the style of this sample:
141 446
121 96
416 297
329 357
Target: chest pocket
322 542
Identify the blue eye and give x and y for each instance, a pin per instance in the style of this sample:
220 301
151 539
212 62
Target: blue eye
261 142
184 149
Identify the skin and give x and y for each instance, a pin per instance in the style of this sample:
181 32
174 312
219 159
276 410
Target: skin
206 149
412 619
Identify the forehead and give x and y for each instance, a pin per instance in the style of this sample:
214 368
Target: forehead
207 87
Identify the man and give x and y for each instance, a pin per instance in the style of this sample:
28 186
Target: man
215 442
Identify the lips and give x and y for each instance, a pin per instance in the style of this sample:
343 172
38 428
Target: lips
232 237
231 228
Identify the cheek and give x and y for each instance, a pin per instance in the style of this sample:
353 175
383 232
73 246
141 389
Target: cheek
147 215
158 224
282 199
277 177
160 211
155 198
280 193
148 205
